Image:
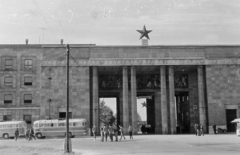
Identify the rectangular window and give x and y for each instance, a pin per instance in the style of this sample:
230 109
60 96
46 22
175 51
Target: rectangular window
8 81
28 81
27 118
8 63
27 98
7 117
7 98
28 64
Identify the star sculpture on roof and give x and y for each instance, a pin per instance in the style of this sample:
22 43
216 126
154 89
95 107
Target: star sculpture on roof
144 32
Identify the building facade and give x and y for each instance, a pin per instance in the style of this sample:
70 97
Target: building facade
183 85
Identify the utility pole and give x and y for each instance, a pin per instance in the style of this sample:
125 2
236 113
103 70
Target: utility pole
43 28
67 146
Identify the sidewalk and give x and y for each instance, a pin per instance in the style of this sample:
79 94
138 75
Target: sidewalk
220 144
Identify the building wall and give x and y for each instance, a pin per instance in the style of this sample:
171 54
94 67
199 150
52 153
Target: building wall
223 92
17 109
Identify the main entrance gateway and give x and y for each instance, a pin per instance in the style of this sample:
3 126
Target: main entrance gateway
148 80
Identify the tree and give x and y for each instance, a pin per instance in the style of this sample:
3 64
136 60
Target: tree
106 113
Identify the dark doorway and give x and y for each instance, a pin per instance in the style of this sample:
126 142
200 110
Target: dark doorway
62 115
183 115
231 114
150 115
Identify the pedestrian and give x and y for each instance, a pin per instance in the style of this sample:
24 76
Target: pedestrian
105 130
121 132
130 130
198 130
110 132
32 134
94 132
102 133
201 130
214 128
196 127
16 134
27 133
115 129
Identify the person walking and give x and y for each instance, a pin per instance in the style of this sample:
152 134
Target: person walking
115 129
198 130
105 130
195 127
214 128
16 134
110 132
130 130
201 130
94 132
27 133
121 132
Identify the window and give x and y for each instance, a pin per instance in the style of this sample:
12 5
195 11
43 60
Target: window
63 114
27 118
27 98
7 117
28 81
28 64
8 81
7 98
8 63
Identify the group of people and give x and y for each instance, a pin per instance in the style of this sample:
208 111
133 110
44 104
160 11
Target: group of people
199 130
29 135
111 131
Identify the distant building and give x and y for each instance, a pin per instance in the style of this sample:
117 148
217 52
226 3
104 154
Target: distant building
184 85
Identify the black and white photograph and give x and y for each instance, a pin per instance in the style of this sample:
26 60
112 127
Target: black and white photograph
119 77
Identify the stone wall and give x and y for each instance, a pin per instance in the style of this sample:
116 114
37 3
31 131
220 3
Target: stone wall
223 91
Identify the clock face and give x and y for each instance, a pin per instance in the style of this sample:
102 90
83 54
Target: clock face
49 72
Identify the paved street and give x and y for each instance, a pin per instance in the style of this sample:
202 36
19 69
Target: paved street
225 144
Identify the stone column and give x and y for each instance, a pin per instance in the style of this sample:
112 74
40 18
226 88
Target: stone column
172 99
95 99
201 99
164 108
134 99
125 100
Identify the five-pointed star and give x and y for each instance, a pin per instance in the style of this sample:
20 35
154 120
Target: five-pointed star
144 32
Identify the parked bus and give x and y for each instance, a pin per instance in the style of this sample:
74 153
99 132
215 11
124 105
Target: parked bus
8 128
43 128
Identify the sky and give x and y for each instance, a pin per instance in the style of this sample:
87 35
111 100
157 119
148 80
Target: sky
114 22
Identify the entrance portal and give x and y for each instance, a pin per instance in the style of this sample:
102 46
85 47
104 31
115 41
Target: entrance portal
182 109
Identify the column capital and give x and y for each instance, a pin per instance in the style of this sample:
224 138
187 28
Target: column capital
163 67
94 67
124 67
170 67
133 67
200 66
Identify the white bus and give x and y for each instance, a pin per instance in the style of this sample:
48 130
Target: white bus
8 128
43 128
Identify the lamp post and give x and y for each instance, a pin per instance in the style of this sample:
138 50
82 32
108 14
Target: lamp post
49 100
67 145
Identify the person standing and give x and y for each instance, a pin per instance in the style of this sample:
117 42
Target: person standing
102 133
201 130
16 134
27 133
121 132
214 128
130 130
94 132
196 127
115 129
105 130
110 131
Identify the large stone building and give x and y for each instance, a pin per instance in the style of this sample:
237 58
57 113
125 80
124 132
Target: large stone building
184 85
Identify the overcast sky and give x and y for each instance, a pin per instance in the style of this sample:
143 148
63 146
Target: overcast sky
114 22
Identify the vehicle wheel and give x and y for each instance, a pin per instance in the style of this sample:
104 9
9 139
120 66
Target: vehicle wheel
38 135
5 136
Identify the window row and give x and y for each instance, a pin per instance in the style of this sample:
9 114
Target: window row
8 99
27 118
10 62
27 81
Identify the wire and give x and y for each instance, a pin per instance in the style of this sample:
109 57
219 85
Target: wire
60 23
74 60
44 19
